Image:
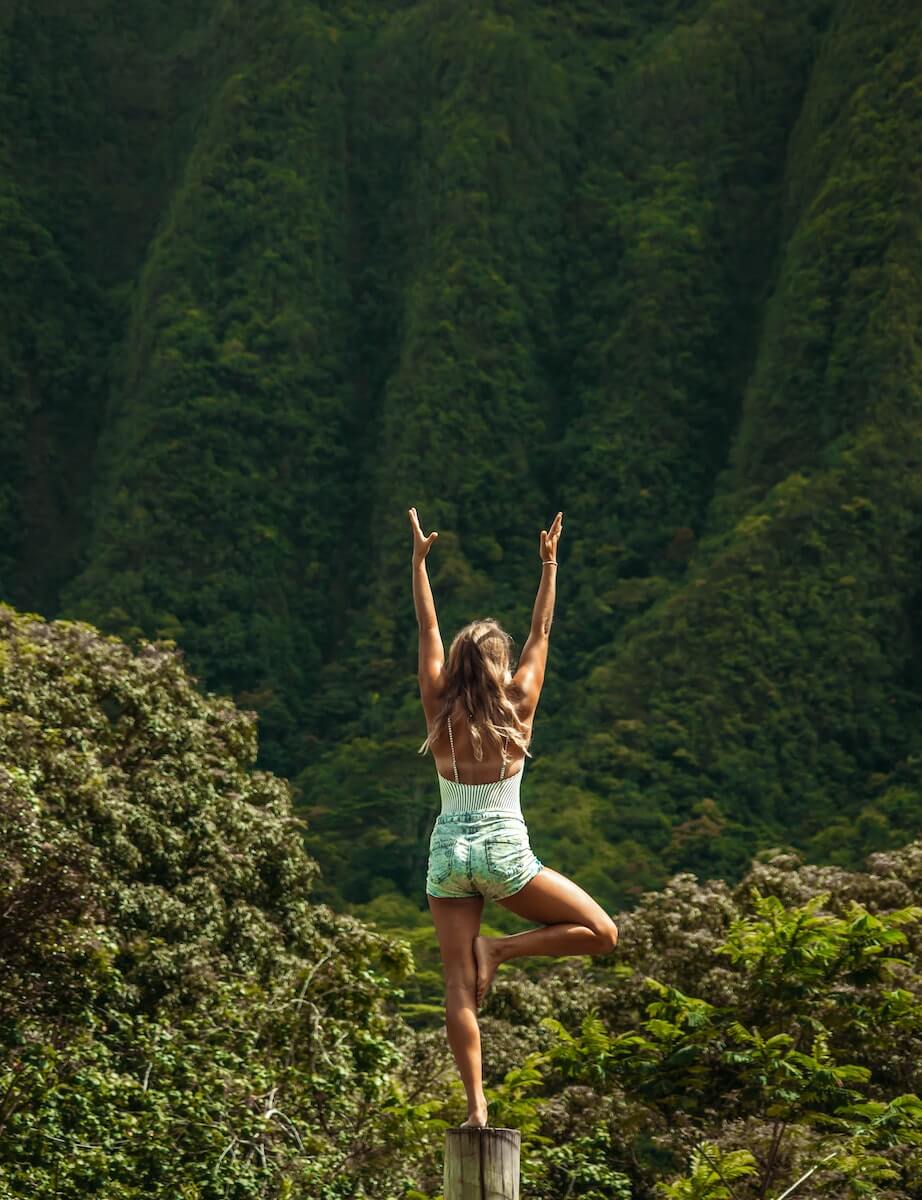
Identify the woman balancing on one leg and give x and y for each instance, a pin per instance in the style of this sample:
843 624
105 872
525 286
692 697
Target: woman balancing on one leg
479 716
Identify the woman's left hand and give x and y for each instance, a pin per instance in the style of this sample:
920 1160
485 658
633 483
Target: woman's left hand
421 543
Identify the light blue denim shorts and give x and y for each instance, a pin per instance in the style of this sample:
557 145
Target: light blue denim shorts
479 854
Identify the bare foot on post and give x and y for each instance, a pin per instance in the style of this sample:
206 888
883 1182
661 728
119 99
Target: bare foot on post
477 1116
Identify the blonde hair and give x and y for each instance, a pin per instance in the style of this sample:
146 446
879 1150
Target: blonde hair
477 671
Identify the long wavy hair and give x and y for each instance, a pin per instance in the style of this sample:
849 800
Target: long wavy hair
477 671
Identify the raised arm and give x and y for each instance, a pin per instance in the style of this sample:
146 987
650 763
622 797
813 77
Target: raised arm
533 661
431 651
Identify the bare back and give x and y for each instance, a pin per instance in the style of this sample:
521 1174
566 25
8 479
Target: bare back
470 770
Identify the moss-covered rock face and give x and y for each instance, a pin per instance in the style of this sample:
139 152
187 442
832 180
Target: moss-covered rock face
275 272
171 999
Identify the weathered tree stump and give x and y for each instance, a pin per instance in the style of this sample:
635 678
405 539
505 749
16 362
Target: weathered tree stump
482 1164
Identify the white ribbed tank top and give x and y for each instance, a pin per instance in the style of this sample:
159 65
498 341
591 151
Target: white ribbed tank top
502 793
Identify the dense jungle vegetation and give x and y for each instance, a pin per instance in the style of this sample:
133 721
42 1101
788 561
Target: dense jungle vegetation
182 1016
275 272
271 274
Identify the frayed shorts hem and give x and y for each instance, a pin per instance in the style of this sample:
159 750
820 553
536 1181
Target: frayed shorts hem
439 894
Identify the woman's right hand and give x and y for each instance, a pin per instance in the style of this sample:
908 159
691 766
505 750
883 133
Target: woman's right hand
549 538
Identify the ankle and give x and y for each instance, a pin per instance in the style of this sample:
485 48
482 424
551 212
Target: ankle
493 944
502 948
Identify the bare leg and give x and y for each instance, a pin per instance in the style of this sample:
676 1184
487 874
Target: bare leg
572 923
464 1039
557 940
457 923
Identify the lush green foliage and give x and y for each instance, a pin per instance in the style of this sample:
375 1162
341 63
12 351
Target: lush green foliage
277 272
274 272
750 1038
179 1016
176 1017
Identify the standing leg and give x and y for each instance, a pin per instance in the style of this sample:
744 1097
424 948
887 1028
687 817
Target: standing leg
457 923
572 923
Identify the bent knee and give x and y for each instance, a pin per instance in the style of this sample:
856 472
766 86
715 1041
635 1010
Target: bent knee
607 936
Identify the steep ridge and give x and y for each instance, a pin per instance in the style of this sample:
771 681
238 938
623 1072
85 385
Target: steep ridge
673 230
830 354
278 272
473 234
95 101
773 697
230 436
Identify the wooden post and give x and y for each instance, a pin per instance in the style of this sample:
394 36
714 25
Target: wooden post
482 1164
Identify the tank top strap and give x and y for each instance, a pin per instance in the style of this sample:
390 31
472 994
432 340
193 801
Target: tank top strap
452 741
505 744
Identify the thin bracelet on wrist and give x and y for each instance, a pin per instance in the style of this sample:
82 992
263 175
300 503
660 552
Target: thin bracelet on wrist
546 561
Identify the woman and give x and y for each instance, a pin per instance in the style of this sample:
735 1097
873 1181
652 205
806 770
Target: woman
479 717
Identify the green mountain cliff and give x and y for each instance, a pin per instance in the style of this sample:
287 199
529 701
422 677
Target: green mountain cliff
275 272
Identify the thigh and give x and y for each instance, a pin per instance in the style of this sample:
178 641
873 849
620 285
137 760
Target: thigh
457 923
552 899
